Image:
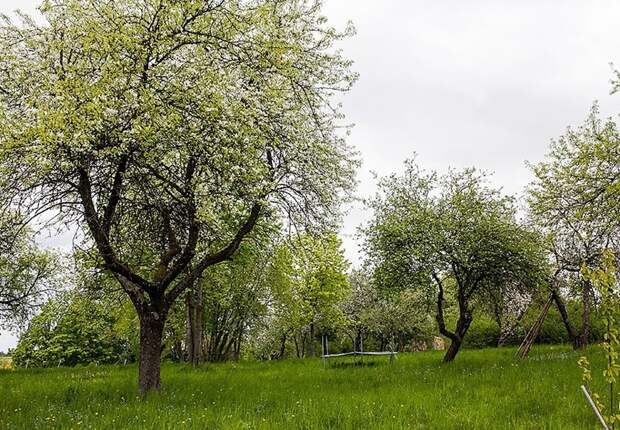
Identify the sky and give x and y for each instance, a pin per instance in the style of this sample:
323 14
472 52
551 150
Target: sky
477 83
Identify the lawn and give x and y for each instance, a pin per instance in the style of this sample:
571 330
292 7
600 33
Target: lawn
482 389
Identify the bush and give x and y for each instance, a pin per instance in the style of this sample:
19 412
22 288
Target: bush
482 333
70 330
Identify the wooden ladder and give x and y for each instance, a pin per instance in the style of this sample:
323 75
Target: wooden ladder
528 341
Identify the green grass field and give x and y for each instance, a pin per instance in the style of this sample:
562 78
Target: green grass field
482 389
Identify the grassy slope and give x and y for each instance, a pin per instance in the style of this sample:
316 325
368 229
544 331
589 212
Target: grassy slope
482 389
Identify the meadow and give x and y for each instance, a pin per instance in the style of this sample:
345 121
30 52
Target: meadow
482 389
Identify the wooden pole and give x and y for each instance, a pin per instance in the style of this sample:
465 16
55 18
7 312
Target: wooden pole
594 408
531 336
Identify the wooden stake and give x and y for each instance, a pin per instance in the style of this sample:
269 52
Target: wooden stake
594 408
528 341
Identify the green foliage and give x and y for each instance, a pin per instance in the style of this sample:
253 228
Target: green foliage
308 277
385 321
578 185
196 110
483 333
574 200
28 274
235 301
72 329
604 279
319 279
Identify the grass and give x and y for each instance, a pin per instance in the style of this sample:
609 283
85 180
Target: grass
482 389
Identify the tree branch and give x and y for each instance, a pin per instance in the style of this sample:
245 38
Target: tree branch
101 239
222 255
115 194
441 323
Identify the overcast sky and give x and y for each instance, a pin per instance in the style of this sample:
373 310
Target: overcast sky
476 83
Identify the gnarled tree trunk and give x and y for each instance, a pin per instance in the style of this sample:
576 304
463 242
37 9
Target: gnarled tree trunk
462 325
456 340
151 332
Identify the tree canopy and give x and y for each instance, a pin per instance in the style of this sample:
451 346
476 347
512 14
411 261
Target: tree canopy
450 234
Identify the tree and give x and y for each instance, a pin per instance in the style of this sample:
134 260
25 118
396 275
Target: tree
320 283
450 234
361 305
225 304
28 274
278 325
236 299
386 319
574 200
309 284
508 306
167 130
71 329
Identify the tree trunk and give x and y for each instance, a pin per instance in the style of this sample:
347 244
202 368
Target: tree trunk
151 332
282 346
195 307
565 319
584 337
237 348
462 325
455 346
312 349
177 351
296 344
358 340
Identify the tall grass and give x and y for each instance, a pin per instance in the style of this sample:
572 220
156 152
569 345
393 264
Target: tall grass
482 389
